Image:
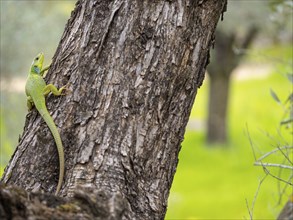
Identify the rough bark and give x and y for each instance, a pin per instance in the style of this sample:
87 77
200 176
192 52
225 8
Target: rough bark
287 212
16 203
133 68
224 61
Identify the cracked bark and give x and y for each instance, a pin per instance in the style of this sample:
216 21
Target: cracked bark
133 68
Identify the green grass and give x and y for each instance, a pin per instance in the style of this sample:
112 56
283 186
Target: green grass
213 182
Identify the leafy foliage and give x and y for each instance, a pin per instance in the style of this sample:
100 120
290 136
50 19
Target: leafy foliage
287 105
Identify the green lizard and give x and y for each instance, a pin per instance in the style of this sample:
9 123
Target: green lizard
36 90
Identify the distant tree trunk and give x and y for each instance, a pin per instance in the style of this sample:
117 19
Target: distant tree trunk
287 211
224 61
217 108
134 68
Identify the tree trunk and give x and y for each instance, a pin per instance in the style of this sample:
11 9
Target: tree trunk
133 69
287 211
217 109
224 61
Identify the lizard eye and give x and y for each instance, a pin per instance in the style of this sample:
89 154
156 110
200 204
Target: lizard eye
37 58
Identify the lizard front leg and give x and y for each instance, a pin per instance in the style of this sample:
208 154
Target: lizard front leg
42 73
51 88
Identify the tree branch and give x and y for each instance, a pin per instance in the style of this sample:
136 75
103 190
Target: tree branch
254 198
272 165
85 204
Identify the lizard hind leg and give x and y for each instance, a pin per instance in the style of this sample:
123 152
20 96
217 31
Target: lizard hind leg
29 103
51 88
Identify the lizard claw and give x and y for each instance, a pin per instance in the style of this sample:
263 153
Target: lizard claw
65 89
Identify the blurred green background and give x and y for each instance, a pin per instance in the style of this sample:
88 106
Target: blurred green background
213 181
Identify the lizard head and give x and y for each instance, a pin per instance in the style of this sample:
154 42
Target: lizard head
37 63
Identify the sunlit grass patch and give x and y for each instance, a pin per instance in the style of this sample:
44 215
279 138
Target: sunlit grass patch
214 182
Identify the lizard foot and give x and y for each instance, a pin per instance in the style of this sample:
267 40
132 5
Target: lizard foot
65 89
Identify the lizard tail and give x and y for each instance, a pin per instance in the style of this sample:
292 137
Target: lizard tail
49 121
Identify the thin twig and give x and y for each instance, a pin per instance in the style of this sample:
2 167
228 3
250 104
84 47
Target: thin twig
284 189
254 198
251 143
286 155
281 189
278 178
272 165
250 214
274 151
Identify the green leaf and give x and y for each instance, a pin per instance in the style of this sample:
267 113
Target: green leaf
275 97
289 99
